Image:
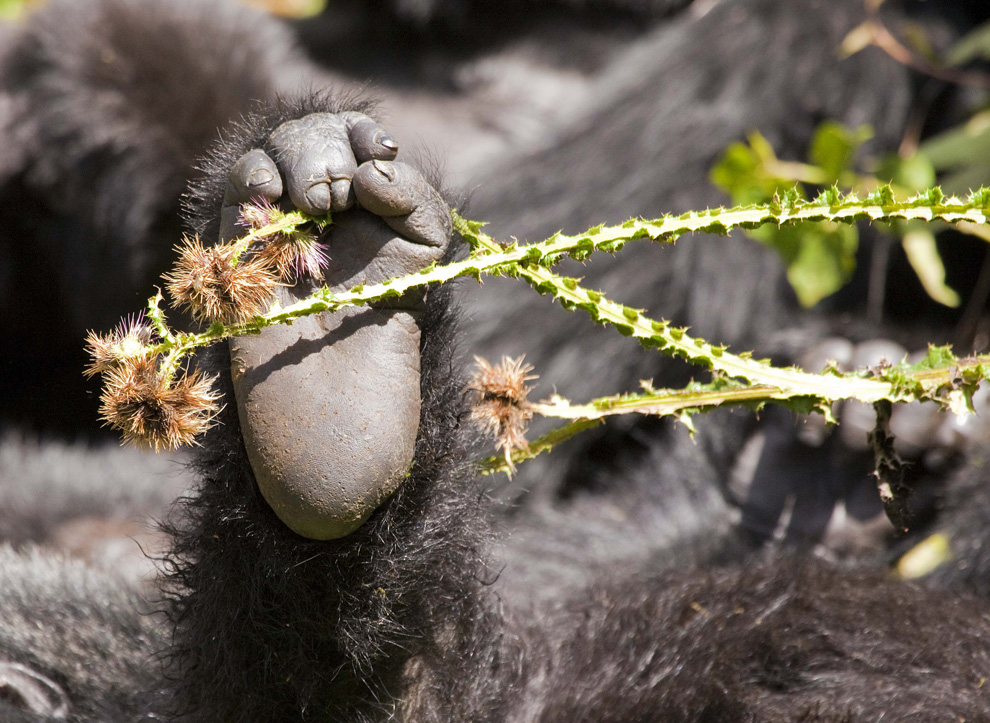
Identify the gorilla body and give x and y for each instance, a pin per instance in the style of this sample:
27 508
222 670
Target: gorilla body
406 617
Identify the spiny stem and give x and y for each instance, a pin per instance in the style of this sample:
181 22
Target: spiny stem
157 318
547 442
285 222
943 384
661 403
490 257
675 342
949 381
515 258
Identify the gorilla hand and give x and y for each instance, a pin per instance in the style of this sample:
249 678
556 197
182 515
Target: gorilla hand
329 406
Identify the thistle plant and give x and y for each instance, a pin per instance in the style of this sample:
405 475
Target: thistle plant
214 286
502 407
146 397
229 287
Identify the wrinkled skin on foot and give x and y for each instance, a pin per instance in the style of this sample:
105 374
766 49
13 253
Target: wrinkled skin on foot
329 406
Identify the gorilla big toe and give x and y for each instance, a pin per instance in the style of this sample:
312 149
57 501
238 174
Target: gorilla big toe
329 407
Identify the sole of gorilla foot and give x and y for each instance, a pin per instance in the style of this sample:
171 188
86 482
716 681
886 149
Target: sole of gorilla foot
329 407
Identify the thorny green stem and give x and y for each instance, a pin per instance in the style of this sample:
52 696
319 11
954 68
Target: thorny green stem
761 382
285 222
509 259
801 391
497 463
790 381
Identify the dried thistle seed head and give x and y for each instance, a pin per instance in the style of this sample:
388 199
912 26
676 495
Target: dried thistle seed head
149 412
206 281
295 255
129 340
259 213
502 408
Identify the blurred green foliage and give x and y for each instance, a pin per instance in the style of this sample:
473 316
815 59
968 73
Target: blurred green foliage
821 257
291 8
11 9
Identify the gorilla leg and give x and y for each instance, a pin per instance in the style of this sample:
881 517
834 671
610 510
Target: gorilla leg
272 625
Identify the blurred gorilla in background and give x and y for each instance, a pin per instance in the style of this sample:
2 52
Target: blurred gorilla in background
553 115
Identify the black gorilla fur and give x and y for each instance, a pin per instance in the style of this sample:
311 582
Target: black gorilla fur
85 636
380 592
406 618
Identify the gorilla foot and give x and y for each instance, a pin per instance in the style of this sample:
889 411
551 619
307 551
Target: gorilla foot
329 407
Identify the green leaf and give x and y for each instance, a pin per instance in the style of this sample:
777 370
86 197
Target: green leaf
975 45
820 257
834 147
913 172
922 253
964 145
824 259
736 174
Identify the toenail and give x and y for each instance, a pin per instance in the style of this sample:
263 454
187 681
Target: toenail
259 177
386 169
342 194
318 196
389 142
